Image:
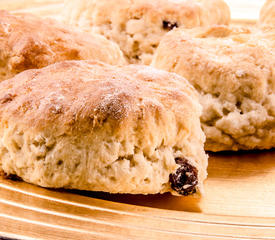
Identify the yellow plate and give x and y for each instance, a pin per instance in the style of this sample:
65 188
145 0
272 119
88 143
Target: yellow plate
239 203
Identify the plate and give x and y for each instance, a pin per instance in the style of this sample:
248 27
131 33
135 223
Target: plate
239 200
238 204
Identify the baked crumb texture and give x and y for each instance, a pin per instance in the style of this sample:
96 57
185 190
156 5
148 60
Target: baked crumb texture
90 126
28 42
233 70
138 25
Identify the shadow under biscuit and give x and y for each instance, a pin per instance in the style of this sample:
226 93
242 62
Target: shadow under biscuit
241 164
189 203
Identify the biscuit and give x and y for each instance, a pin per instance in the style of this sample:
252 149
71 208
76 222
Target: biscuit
92 126
267 14
233 70
266 22
29 42
138 25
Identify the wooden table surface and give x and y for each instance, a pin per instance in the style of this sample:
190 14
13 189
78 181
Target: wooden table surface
239 200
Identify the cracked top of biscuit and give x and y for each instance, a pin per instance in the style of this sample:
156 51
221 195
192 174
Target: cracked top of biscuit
138 25
187 13
28 42
221 60
80 93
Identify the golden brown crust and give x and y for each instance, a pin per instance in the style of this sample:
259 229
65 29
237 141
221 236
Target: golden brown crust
29 98
267 14
93 126
29 42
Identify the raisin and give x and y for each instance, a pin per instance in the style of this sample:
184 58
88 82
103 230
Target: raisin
169 25
185 179
7 98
